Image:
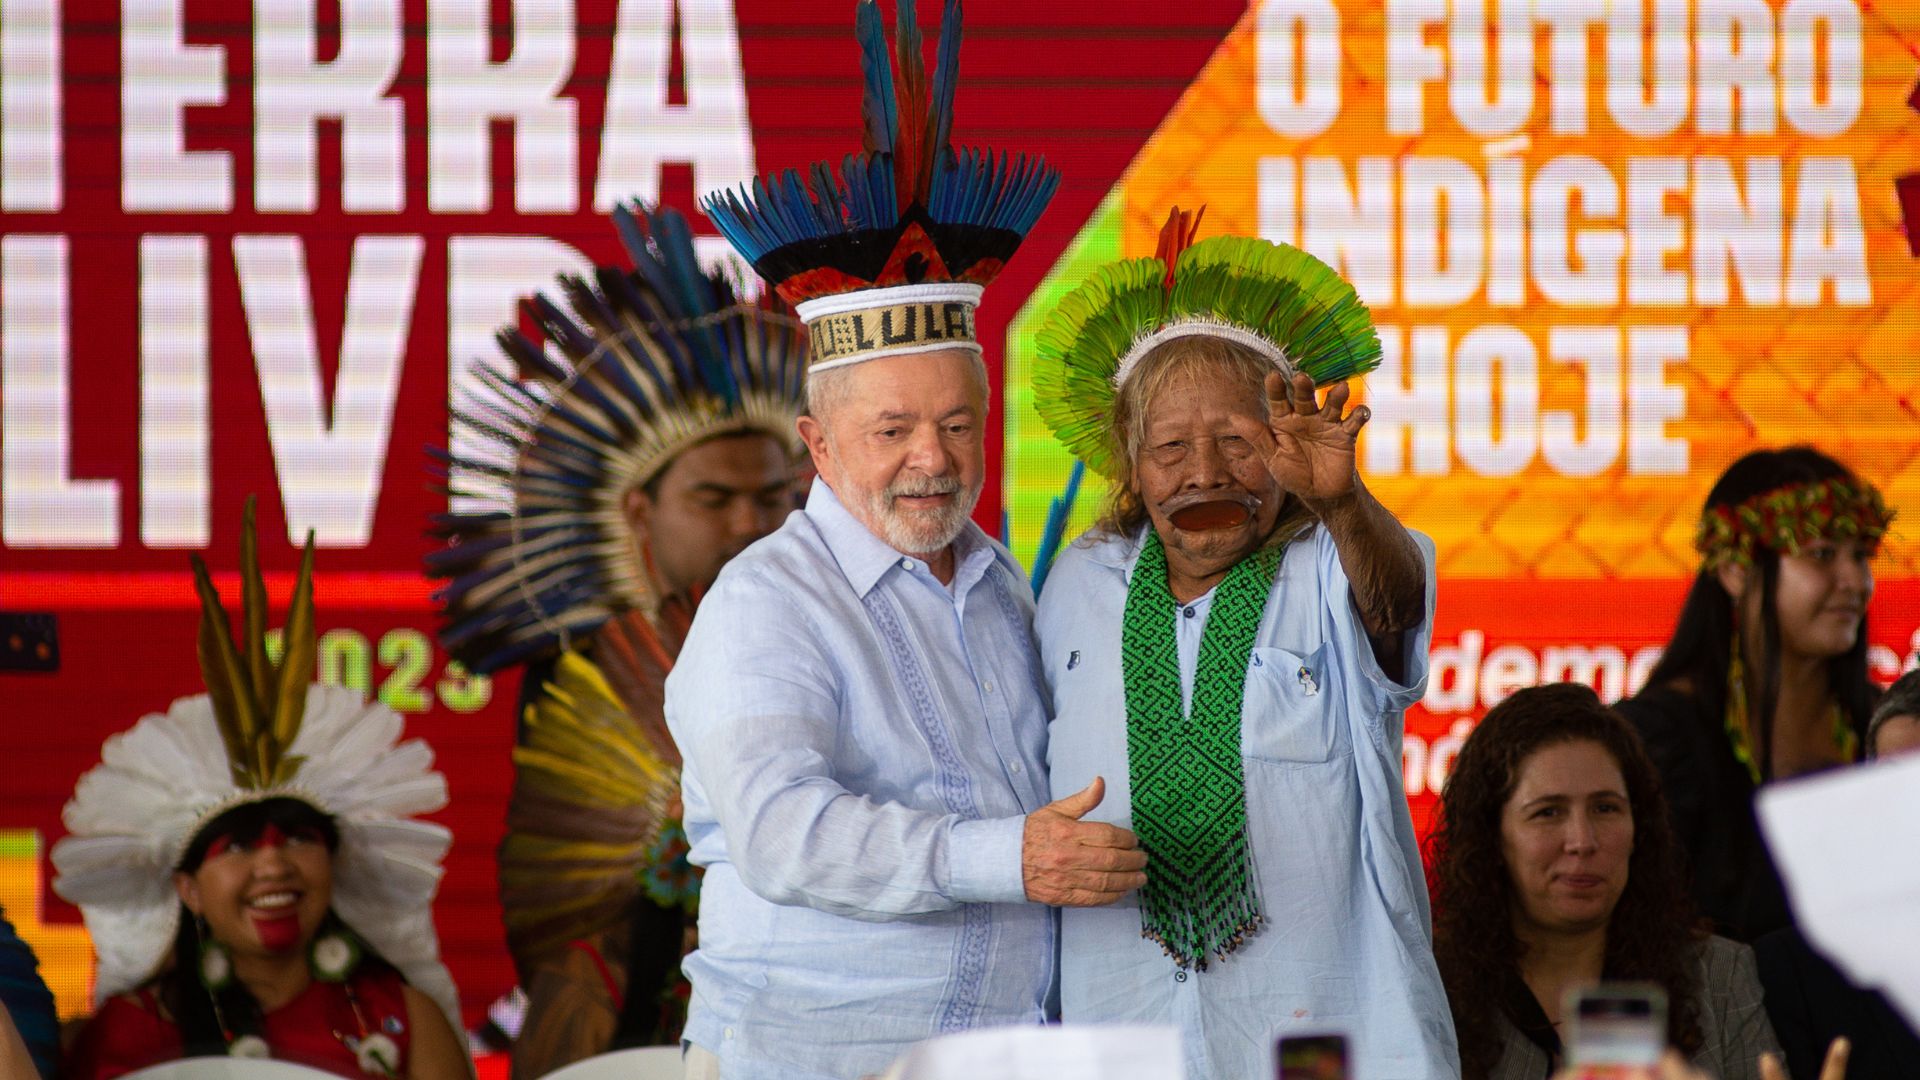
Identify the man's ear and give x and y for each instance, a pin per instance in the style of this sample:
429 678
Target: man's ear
637 507
1734 577
188 889
814 434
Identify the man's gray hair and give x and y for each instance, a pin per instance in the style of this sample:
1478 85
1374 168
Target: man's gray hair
828 390
1901 699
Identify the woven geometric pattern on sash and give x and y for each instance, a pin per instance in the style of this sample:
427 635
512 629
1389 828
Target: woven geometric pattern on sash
1188 780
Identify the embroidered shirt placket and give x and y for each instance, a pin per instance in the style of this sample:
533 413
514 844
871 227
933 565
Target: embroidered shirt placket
961 1009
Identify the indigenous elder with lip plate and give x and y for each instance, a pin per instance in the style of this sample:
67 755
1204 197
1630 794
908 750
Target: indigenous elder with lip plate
1232 648
859 702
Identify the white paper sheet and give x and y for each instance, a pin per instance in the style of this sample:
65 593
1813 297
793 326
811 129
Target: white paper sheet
1848 845
1076 1052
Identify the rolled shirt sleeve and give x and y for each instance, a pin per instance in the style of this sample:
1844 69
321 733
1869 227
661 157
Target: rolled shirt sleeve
1372 693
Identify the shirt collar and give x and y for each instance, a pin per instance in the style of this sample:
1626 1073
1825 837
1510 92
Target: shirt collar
865 558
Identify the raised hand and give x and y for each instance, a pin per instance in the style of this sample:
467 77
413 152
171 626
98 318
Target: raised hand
1067 862
1306 445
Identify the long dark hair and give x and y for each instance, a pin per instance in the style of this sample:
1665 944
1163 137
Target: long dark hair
1649 935
179 987
1701 649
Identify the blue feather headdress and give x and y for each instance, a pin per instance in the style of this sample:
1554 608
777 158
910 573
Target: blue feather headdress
658 359
889 253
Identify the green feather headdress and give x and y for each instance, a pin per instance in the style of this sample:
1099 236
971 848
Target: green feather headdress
257 704
1275 299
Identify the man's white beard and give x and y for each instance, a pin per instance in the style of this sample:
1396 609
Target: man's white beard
920 532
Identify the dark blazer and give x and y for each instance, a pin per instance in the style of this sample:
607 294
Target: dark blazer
1811 1003
1710 801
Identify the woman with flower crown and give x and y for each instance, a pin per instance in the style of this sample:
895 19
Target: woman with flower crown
252 878
1766 673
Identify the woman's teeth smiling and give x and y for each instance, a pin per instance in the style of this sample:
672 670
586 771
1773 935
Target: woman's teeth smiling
274 901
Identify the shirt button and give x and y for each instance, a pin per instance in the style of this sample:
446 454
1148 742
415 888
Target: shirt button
1015 766
987 686
906 564
728 1033
1188 613
1178 976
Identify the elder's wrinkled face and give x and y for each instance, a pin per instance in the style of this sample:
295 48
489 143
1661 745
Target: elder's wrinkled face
1205 487
901 444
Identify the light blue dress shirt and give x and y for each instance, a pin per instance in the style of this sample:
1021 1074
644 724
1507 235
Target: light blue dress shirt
1347 945
862 746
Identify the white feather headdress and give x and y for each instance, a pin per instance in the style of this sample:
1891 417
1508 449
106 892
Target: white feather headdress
263 732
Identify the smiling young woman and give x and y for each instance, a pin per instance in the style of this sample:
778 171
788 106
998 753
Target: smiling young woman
262 966
1765 676
251 874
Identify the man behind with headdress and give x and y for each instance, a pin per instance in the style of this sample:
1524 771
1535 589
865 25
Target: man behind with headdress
1232 647
661 448
859 702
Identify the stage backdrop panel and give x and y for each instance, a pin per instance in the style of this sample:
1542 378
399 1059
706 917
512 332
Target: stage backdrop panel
1610 247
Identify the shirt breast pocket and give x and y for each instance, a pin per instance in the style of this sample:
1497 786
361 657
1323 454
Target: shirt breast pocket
1291 712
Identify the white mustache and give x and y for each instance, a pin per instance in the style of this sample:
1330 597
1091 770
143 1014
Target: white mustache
932 485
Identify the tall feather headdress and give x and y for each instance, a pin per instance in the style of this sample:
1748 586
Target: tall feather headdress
657 359
889 253
1277 300
262 731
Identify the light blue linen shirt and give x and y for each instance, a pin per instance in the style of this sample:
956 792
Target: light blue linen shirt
862 746
1347 945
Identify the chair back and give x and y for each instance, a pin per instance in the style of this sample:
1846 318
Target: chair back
639 1063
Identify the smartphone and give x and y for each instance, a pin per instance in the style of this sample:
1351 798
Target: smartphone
1311 1057
1616 1024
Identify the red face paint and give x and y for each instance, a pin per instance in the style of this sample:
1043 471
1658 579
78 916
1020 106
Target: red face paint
1221 514
279 930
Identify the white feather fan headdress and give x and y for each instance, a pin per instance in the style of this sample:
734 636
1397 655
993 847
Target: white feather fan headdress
263 731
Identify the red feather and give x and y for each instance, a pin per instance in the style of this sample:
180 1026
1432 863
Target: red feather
1177 236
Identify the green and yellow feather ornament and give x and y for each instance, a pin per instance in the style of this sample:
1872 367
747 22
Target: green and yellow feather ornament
1273 298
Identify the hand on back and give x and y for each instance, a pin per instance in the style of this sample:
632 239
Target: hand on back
1068 862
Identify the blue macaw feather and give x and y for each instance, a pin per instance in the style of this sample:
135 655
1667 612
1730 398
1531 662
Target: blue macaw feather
1058 514
559 328
533 359
946 76
632 236
879 120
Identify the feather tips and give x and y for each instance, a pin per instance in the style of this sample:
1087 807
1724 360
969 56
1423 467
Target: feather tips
787 225
878 120
257 705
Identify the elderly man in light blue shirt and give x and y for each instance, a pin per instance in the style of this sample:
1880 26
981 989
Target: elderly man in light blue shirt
859 703
864 725
1231 647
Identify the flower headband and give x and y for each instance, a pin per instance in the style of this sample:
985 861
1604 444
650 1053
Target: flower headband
1787 517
